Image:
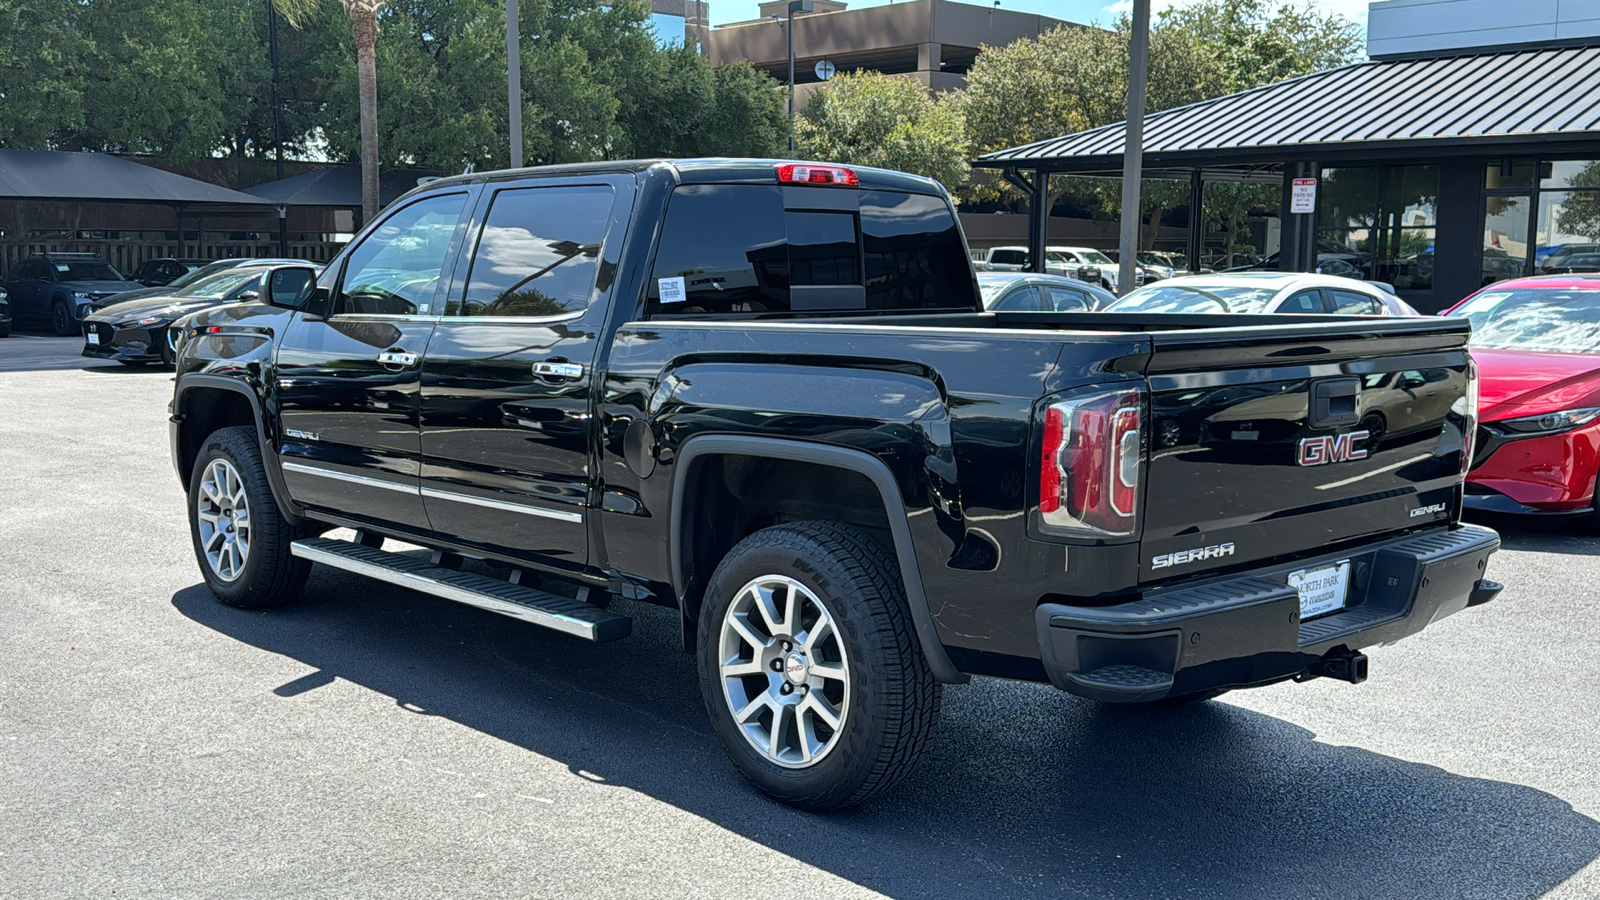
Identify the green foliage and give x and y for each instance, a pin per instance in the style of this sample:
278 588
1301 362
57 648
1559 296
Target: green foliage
1580 211
886 121
1257 42
594 86
42 76
192 78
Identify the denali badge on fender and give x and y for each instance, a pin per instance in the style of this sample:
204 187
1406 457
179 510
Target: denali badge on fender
1332 448
1189 556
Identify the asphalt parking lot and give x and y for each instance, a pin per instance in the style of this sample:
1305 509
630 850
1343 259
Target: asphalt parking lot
368 741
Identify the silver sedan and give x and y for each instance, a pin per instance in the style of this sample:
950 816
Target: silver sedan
1033 292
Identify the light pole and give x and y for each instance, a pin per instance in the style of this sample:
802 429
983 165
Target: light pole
514 81
1133 145
800 6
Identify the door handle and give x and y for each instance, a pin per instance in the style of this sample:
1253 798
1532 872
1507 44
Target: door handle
558 369
397 358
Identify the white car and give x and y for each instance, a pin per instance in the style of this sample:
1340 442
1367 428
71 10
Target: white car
1264 292
1075 257
1082 263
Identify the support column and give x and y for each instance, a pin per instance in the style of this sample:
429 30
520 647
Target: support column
1297 243
1197 219
1038 220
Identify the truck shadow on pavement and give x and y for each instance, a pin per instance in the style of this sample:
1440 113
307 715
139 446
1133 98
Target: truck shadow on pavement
1025 792
1553 534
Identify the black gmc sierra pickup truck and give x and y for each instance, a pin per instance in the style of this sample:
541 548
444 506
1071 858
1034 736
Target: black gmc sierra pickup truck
766 395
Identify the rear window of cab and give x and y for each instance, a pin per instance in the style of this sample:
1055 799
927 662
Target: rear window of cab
728 249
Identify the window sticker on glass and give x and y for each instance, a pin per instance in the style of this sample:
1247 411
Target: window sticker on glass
671 290
61 268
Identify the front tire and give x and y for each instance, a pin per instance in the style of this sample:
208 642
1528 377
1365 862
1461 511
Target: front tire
241 539
810 668
61 320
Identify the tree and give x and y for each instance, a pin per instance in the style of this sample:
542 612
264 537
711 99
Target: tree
42 80
1072 79
1259 42
687 108
363 16
886 121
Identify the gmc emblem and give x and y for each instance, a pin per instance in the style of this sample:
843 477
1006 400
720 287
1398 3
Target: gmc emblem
1332 448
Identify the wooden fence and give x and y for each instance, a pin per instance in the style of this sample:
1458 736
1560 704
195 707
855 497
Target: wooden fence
127 255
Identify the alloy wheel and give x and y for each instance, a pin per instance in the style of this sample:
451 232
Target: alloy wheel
784 673
222 509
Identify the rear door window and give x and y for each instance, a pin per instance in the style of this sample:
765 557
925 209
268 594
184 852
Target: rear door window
1352 303
739 248
1303 302
1022 298
538 253
1063 299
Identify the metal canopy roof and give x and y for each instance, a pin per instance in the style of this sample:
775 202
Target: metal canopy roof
1449 105
61 175
335 186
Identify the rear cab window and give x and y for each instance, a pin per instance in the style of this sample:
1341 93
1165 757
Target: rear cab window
729 249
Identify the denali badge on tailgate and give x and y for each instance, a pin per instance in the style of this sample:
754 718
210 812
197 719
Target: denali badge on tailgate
1188 556
1332 448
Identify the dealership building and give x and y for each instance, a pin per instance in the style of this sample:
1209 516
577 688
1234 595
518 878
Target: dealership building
1466 150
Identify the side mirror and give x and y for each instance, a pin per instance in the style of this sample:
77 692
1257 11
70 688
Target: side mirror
248 297
291 286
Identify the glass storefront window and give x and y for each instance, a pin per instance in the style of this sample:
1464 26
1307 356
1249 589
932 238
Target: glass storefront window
1569 225
1505 237
1518 174
1381 222
1571 173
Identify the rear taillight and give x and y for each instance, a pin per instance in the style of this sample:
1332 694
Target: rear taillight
812 173
1092 450
1469 423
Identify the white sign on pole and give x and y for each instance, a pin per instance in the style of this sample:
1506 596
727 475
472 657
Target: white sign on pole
1303 196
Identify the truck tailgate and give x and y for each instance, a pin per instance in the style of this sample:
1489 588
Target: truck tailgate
1271 442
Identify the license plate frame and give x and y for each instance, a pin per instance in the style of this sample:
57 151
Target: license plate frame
1323 589
93 338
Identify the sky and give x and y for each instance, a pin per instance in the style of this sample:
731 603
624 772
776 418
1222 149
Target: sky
723 11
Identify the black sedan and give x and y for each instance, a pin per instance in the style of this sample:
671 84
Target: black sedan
1033 292
135 332
194 275
165 271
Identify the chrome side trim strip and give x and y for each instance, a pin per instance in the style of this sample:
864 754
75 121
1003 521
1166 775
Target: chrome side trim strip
436 494
346 476
551 620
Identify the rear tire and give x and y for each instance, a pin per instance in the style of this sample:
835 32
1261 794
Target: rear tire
823 603
241 539
61 319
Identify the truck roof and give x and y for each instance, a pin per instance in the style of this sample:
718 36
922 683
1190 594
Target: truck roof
719 170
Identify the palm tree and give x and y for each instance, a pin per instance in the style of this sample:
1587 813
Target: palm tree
363 15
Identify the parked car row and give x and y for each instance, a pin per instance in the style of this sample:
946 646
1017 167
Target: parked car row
1227 292
139 331
124 319
1081 263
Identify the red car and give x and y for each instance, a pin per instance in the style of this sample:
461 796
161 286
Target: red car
1537 345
